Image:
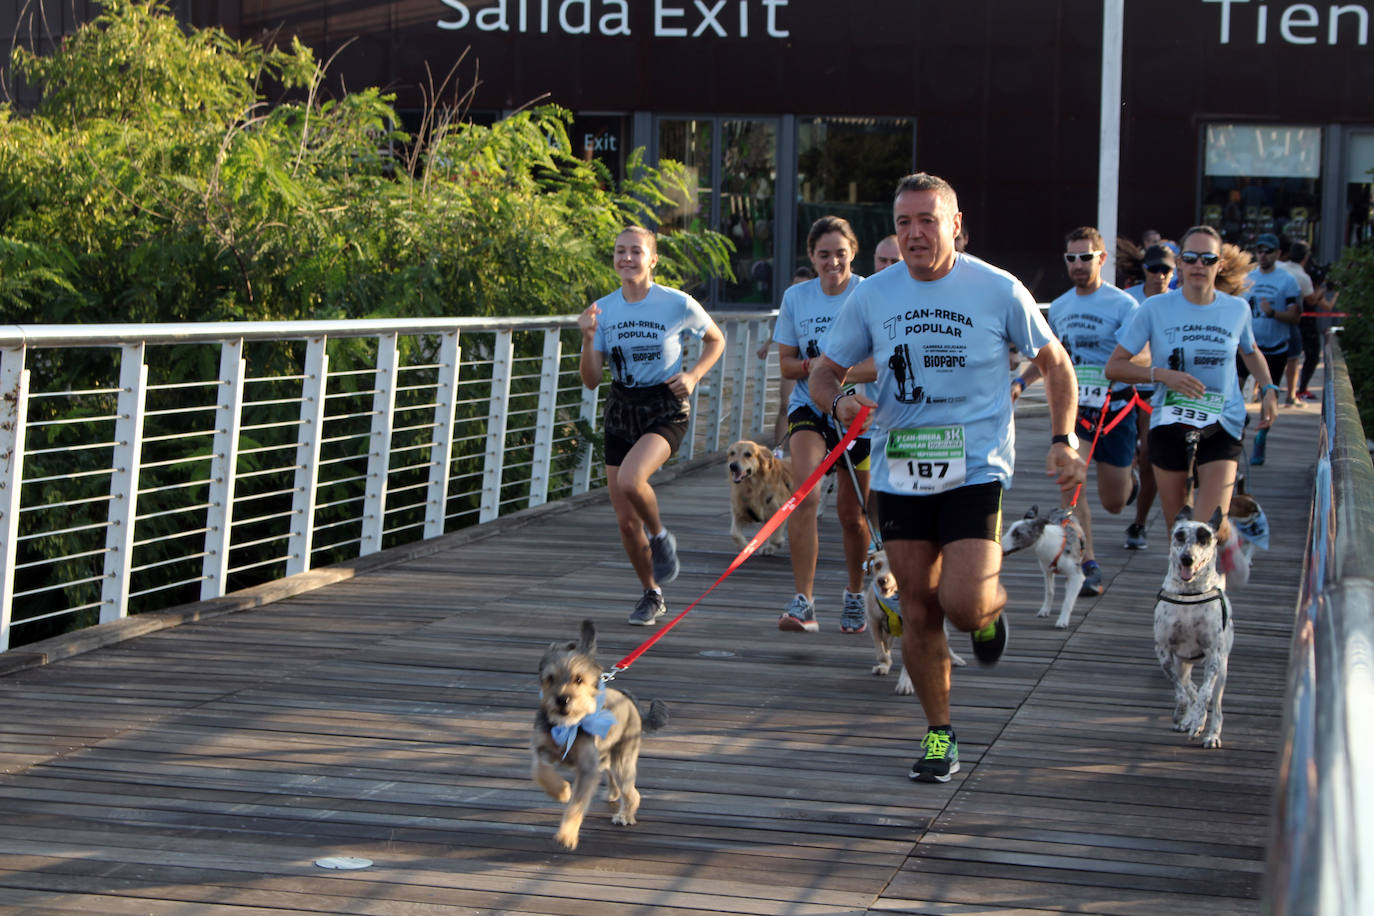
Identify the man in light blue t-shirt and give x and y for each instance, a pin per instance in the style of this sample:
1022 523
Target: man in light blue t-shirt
942 435
1275 310
1275 307
1086 319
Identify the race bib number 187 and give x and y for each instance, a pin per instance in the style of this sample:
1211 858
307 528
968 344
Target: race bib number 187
926 459
1198 412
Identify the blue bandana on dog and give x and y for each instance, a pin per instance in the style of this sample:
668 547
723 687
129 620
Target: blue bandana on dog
598 724
1254 530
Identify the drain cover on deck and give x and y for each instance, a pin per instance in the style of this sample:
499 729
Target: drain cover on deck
347 862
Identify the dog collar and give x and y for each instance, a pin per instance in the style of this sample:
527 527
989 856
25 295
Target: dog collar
894 614
1203 598
598 724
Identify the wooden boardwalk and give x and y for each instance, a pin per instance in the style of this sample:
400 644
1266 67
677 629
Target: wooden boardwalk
204 769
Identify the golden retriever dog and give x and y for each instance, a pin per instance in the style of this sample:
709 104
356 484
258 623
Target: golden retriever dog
759 485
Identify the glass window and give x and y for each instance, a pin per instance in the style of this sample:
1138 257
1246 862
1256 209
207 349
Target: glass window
689 141
748 184
1262 178
740 157
848 167
1359 189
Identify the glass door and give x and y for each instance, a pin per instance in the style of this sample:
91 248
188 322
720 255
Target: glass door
691 141
732 164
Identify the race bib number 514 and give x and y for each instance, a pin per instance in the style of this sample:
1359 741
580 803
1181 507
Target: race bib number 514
926 459
1092 386
1198 412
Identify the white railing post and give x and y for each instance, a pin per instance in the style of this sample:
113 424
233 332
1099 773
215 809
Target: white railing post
441 452
308 436
739 344
717 411
503 354
224 462
543 421
758 335
582 480
691 350
124 466
14 412
379 445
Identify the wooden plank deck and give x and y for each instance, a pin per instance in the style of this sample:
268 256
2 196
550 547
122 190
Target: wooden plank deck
206 767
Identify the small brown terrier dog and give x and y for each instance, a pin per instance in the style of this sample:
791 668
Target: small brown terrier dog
587 728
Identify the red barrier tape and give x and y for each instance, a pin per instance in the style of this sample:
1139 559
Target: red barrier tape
768 528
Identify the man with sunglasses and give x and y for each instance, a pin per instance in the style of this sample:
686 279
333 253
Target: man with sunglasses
1275 308
1086 319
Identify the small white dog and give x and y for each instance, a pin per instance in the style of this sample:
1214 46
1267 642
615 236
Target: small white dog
1058 541
1193 623
885 619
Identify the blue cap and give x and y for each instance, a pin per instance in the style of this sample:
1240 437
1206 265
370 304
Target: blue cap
1267 240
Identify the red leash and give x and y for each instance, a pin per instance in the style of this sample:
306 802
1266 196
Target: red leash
1100 431
768 528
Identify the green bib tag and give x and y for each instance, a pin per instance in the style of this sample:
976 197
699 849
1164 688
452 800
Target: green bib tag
926 459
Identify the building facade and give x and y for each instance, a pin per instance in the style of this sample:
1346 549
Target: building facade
1252 116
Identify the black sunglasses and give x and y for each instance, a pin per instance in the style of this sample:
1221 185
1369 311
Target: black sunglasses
1160 269
1264 249
1083 256
1206 257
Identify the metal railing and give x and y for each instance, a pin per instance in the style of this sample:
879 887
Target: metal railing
143 466
1321 855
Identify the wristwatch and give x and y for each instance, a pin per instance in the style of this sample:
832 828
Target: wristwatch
1068 439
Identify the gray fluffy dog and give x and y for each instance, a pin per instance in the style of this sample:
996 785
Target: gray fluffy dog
587 728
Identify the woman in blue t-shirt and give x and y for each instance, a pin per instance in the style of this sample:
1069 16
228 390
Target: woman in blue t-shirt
639 327
805 316
1193 334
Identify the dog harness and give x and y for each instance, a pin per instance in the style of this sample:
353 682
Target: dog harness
1064 541
598 725
1212 595
894 614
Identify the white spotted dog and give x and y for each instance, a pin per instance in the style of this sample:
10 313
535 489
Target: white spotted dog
1058 541
1193 623
885 618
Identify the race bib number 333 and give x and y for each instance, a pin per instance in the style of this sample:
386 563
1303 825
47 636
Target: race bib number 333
1198 412
926 459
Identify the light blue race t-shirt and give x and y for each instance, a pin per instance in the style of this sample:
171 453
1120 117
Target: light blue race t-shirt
1087 326
806 314
1201 340
1280 289
1136 292
643 340
944 415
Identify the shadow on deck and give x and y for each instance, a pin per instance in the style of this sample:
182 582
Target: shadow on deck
205 768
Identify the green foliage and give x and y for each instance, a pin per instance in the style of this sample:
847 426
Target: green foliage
153 183
1355 274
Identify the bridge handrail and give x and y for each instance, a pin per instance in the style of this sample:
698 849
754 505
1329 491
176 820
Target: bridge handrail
1321 853
123 482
